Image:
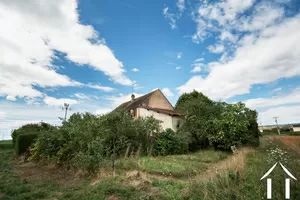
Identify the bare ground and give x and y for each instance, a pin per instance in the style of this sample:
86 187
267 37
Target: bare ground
292 142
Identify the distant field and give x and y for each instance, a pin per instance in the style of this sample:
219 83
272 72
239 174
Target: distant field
5 144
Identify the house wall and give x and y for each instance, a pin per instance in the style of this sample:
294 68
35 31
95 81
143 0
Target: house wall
167 120
296 129
158 100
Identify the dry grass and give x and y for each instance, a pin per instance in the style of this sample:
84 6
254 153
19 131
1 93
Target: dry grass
235 162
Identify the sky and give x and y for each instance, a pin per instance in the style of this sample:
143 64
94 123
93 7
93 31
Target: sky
89 53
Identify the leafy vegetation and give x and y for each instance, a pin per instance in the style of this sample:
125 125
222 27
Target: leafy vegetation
217 124
169 143
226 185
29 128
24 141
89 142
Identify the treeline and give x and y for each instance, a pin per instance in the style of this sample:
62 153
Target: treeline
89 142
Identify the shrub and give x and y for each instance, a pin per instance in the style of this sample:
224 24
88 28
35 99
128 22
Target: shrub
24 141
30 128
168 142
87 141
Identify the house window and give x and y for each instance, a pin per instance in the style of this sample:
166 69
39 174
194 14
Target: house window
133 112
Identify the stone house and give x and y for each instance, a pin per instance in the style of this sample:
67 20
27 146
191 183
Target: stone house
153 104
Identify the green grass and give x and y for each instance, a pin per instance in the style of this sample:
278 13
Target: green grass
6 144
182 166
13 188
229 185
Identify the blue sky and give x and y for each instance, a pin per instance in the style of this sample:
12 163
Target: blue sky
88 53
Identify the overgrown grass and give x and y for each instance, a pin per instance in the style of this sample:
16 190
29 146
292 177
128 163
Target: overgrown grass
247 185
182 166
6 144
12 187
226 185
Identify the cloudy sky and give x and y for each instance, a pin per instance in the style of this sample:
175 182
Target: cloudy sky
89 53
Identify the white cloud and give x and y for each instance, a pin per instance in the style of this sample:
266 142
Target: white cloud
178 67
199 60
212 16
180 5
100 87
13 114
196 69
52 101
283 99
265 15
10 98
135 70
103 111
2 114
81 96
216 49
179 55
276 90
167 92
226 35
171 17
257 61
285 114
121 98
30 34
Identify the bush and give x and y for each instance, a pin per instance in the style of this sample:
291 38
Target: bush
24 141
29 128
168 143
87 141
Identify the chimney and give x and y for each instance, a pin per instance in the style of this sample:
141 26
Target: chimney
132 97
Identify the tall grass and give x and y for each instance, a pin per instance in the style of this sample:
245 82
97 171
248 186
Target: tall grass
232 184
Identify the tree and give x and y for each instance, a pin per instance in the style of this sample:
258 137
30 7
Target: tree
217 124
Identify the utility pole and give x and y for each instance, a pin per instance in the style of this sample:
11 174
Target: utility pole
65 108
133 84
275 118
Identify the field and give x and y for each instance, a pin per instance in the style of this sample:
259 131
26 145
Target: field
5 144
206 174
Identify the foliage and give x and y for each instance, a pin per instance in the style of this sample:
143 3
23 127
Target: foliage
185 99
218 124
88 141
29 128
168 143
23 142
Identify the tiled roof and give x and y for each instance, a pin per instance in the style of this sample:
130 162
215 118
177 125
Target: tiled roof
135 103
139 101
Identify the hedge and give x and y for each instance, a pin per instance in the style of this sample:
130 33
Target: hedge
24 141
